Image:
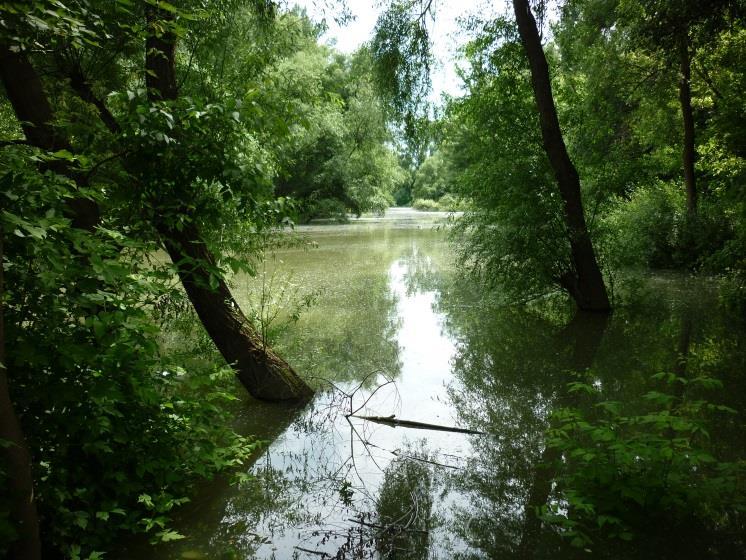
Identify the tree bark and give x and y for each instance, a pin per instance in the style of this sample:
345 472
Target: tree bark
585 284
687 115
264 374
17 459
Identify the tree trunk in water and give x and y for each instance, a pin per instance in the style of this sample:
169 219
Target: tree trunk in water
17 459
264 374
688 150
585 284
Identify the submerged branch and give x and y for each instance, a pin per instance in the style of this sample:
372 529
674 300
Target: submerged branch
394 422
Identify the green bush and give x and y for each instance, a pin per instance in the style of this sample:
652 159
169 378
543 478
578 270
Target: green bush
425 205
380 201
325 209
653 230
627 465
449 203
119 434
643 231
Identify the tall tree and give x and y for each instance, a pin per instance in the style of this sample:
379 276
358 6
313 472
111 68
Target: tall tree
585 283
674 30
688 154
264 374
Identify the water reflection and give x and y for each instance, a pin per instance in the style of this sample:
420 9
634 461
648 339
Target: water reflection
404 509
396 332
332 483
515 370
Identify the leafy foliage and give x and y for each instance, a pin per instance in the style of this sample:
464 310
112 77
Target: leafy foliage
637 463
514 236
119 433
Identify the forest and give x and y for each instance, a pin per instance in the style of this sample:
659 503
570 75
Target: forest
221 233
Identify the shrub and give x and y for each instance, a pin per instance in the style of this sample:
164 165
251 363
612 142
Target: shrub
643 462
643 230
652 229
119 435
425 205
449 203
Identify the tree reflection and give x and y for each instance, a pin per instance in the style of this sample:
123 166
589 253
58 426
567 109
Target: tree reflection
513 369
404 510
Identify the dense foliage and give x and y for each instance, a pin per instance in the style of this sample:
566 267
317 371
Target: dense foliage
616 81
149 151
257 111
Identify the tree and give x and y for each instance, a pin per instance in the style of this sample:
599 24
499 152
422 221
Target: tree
401 49
27 544
585 283
53 192
336 158
674 30
263 373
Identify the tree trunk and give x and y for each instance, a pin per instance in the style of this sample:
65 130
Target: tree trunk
688 150
31 106
264 374
17 459
585 284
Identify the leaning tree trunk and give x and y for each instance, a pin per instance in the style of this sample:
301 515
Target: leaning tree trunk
264 374
688 150
585 284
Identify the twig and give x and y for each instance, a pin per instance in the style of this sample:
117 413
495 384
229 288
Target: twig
98 164
18 142
316 552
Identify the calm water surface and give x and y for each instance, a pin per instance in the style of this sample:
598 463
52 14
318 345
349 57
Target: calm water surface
392 330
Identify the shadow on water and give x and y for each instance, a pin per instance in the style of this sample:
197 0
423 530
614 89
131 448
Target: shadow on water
586 448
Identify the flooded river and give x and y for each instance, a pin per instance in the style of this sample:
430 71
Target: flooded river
388 329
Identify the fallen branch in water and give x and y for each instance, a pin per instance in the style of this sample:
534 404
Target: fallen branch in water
316 552
394 422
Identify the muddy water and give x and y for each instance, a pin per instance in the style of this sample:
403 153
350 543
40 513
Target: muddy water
375 315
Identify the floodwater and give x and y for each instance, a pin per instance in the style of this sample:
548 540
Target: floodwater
375 314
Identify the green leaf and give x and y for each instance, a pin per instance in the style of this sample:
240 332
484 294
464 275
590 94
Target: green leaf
169 535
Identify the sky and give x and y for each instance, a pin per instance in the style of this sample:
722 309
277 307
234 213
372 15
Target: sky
444 32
